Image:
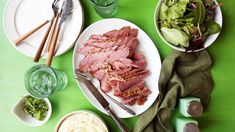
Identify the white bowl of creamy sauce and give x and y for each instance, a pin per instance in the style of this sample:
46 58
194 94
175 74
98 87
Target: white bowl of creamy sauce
81 121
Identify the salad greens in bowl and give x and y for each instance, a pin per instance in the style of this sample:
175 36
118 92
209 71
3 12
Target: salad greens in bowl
188 25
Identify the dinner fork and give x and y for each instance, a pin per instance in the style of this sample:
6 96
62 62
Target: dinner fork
55 8
23 37
89 77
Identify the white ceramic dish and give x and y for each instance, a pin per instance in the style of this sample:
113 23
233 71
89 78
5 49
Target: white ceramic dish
146 47
22 16
18 111
209 40
90 113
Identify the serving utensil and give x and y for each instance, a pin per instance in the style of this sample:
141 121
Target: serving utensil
67 9
88 77
103 102
55 8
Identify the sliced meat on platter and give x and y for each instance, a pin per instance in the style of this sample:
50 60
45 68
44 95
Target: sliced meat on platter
114 60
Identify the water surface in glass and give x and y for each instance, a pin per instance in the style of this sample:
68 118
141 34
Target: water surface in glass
42 81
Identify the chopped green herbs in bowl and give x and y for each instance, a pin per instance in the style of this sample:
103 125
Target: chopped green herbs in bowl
188 25
32 111
36 108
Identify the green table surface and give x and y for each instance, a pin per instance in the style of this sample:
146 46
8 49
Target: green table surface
220 116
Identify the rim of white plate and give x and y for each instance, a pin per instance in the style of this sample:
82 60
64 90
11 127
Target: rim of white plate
43 56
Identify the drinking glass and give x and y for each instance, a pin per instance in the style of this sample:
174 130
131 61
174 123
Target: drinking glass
105 8
42 81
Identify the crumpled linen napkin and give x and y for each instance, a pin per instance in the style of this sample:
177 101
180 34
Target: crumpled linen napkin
182 75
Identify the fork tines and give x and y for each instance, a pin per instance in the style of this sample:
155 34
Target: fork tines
78 73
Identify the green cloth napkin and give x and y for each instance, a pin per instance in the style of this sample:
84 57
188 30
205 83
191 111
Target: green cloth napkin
182 75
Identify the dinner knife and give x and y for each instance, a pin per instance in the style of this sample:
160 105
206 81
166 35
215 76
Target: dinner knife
88 77
104 103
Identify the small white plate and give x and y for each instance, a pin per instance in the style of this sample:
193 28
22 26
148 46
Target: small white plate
18 111
146 47
89 115
21 16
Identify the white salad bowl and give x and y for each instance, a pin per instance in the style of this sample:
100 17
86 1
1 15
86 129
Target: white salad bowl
209 40
18 111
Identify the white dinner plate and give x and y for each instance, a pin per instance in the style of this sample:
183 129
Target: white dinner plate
21 16
146 47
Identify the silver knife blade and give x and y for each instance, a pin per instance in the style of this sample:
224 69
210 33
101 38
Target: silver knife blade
96 94
66 10
103 102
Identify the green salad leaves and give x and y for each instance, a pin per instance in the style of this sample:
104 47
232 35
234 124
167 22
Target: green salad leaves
187 23
172 9
37 108
175 36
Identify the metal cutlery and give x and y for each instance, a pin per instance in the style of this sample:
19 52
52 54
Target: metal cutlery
103 102
67 8
55 8
88 77
75 3
56 15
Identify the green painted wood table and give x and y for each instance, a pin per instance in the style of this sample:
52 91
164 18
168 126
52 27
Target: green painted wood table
220 116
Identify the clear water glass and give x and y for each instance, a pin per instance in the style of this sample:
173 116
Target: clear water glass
105 8
42 81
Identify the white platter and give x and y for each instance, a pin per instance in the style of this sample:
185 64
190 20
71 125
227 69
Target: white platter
146 47
21 16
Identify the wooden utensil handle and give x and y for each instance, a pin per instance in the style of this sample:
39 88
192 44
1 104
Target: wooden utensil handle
121 125
52 47
39 51
23 37
52 33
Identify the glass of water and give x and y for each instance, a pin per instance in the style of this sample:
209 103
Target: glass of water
42 81
105 8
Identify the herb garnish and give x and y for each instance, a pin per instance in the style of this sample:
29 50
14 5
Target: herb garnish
37 108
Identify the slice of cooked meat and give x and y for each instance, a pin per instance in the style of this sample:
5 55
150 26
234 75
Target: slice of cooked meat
138 56
121 63
141 64
99 74
145 91
140 100
130 100
104 84
121 84
111 64
133 91
130 42
87 50
123 32
89 60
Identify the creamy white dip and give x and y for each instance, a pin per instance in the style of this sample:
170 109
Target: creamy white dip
82 122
